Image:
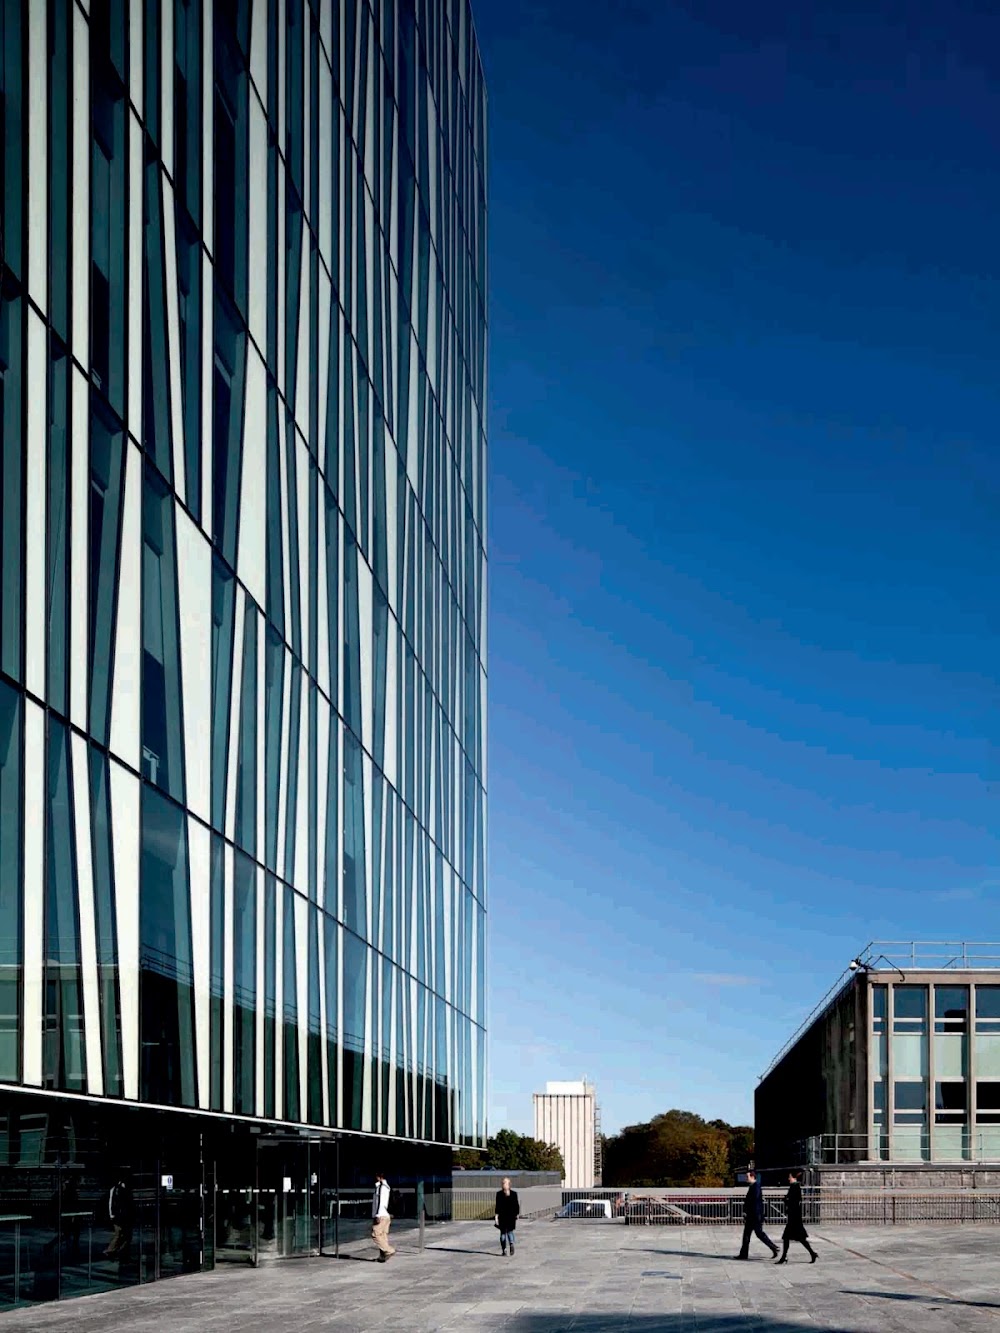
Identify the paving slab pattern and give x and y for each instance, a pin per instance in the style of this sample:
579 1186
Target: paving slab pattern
577 1277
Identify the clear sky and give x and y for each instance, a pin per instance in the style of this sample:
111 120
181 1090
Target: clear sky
745 578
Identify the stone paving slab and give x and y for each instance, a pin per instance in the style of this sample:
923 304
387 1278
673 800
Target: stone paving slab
577 1277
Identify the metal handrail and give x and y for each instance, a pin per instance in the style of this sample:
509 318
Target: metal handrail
917 955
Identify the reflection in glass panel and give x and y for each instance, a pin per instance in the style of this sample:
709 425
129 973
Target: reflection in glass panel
270 992
910 1101
108 246
11 730
11 442
167 1031
63 1045
355 993
156 386
244 985
290 1034
223 611
106 922
355 915
988 1008
987 1102
292 779
331 942
107 485
909 1008
274 675
217 976
246 773
951 1008
314 1035
880 1002
58 478
951 1102
162 734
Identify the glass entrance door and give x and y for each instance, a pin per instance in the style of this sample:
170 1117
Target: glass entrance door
289 1200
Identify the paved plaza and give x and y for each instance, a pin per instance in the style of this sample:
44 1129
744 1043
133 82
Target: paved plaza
588 1277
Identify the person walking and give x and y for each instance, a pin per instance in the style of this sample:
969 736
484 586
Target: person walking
753 1218
794 1227
120 1214
506 1212
381 1219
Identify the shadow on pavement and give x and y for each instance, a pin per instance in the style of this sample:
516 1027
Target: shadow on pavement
704 1254
455 1249
930 1299
620 1322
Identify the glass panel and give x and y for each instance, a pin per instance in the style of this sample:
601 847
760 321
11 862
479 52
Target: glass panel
988 1103
292 779
909 1008
290 1037
156 426
58 477
107 929
355 997
988 1008
351 663
910 1097
275 556
315 1034
217 981
270 993
331 933
11 833
227 432
878 1100
951 1102
108 233
162 731
11 433
189 284
166 979
63 1047
107 485
355 915
245 986
246 776
274 671
951 1008
223 612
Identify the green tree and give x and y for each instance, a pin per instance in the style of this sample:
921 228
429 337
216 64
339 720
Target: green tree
469 1159
677 1148
709 1159
508 1151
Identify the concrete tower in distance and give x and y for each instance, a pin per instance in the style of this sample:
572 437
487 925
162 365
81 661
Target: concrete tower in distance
566 1114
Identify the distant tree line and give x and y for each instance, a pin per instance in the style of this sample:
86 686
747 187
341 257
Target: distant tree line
507 1151
677 1148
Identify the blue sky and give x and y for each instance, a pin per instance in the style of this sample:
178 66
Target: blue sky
745 597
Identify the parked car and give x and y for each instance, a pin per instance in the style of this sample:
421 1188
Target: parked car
586 1208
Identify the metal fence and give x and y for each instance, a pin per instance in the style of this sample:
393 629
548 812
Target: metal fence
477 1205
821 1206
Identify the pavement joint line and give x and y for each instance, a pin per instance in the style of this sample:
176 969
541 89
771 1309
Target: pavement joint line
900 1272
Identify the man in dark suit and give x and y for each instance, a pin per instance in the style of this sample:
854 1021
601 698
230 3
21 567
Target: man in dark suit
753 1217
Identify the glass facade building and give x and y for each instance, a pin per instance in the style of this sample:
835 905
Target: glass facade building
243 656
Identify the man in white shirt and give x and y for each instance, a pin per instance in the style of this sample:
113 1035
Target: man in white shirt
381 1219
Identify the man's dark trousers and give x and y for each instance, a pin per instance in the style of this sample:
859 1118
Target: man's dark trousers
751 1227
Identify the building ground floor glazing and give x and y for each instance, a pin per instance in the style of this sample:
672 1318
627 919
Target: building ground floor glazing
95 1195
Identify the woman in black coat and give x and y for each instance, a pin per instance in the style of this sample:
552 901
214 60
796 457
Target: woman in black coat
506 1213
794 1227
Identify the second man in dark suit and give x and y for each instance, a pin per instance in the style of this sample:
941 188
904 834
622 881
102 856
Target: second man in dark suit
753 1217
